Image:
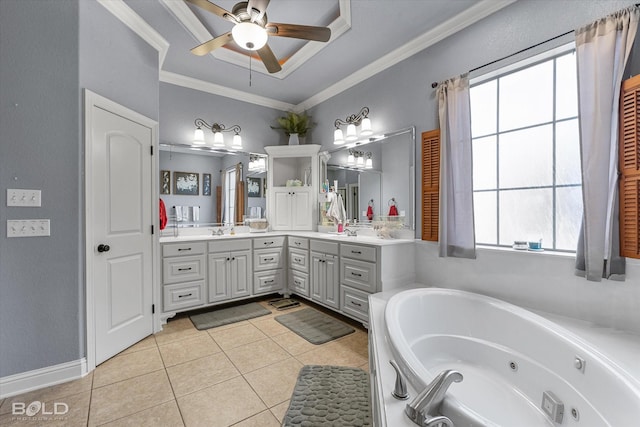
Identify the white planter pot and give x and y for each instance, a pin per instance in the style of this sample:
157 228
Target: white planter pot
293 139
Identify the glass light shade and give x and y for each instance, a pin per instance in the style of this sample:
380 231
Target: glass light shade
360 162
338 137
249 36
368 164
365 127
351 160
218 140
198 136
237 141
351 132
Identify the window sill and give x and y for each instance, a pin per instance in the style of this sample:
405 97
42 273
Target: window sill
545 252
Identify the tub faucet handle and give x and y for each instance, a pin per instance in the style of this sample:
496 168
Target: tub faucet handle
400 389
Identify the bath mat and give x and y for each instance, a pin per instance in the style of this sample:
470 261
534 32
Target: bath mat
314 326
225 316
284 303
330 396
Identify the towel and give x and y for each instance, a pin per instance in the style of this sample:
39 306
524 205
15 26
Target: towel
196 213
163 215
370 212
178 213
336 210
393 211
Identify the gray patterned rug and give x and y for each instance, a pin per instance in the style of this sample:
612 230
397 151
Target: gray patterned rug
330 396
314 326
225 316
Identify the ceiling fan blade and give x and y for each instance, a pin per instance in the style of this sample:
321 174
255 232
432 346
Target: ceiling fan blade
260 5
212 44
214 8
269 59
306 32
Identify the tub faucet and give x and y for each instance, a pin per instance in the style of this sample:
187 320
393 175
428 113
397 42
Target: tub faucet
428 401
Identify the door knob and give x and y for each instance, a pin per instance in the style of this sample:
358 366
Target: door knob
103 248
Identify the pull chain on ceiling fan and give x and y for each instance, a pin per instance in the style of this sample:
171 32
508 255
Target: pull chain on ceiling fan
252 30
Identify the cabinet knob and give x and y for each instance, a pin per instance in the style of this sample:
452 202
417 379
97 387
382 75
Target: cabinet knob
103 248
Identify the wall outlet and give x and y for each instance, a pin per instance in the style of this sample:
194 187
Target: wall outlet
29 198
28 227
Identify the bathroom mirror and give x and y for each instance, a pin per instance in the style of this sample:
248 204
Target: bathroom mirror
389 180
212 200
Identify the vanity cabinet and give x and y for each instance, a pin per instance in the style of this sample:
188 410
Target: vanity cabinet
229 270
183 275
325 277
358 278
299 266
268 265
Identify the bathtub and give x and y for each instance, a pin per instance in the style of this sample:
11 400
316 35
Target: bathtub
508 356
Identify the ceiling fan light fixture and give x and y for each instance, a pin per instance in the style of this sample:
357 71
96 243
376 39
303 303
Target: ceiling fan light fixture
198 136
249 36
338 137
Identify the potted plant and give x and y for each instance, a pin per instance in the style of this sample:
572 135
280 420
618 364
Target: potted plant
294 125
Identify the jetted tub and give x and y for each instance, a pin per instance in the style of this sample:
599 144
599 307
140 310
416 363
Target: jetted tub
509 357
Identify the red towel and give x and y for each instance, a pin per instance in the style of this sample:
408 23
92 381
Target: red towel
163 215
370 213
393 211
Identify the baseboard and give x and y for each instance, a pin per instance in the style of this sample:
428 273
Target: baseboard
13 385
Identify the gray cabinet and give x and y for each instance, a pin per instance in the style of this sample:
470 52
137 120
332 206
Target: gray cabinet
299 265
268 265
230 270
325 283
183 275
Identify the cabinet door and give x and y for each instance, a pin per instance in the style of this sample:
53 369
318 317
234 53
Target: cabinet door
282 209
332 281
317 276
301 215
240 268
219 286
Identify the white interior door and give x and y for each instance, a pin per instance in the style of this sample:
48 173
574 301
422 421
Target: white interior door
120 224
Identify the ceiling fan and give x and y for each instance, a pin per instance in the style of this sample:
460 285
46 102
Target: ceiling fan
252 29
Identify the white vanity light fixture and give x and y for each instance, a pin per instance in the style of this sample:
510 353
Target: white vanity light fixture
218 139
368 164
357 159
361 119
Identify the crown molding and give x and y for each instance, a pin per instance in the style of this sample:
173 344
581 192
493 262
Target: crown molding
238 95
131 19
457 23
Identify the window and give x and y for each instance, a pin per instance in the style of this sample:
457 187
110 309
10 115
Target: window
230 196
526 158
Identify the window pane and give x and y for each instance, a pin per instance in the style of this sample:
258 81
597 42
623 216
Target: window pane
526 215
526 158
566 87
568 153
484 108
568 217
486 218
484 163
526 97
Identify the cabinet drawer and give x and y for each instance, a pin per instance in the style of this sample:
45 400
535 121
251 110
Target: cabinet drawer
229 245
268 281
299 260
358 274
363 253
323 246
299 283
355 303
183 295
298 242
268 242
267 259
187 248
183 268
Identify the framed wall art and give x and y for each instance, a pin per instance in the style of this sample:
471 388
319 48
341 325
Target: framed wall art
165 182
186 183
206 184
254 187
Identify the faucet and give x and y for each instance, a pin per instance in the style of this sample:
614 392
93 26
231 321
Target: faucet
429 400
351 232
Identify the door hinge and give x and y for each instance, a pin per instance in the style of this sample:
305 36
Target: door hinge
153 309
152 150
152 229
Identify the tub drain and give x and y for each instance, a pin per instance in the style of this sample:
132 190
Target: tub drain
575 414
513 366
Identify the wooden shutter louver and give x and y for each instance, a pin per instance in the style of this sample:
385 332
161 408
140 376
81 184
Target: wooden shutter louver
629 158
430 184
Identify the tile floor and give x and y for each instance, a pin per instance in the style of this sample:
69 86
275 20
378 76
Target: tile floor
235 375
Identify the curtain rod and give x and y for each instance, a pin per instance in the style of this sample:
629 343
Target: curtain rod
435 84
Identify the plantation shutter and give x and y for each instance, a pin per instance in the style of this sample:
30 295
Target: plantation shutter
630 168
430 184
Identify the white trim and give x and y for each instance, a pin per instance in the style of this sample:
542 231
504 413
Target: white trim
92 99
201 85
131 19
24 382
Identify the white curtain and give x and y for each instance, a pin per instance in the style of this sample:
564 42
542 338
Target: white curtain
602 50
456 233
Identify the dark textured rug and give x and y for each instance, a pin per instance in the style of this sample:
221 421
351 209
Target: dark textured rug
330 396
314 326
225 316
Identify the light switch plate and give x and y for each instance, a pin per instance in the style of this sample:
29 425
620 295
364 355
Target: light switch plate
28 227
28 198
